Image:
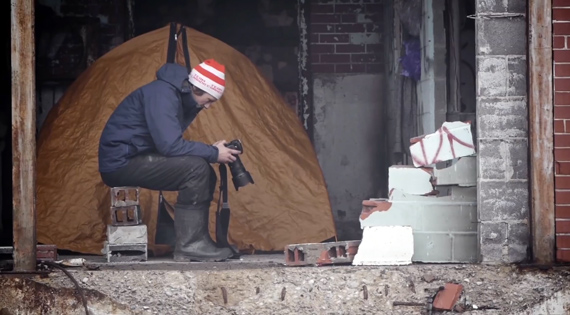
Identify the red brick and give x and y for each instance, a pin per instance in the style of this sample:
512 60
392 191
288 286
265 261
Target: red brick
374 67
322 68
348 18
563 212
374 48
321 49
364 58
350 28
563 241
374 8
562 85
561 98
562 70
562 182
322 28
446 299
322 8
335 58
562 168
324 18
562 197
350 68
561 112
561 28
558 42
560 3
315 58
334 38
314 38
347 8
561 155
563 255
561 14
559 126
562 226
349 48
562 141
562 55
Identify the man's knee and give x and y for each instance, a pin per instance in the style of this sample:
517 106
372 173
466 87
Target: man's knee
200 181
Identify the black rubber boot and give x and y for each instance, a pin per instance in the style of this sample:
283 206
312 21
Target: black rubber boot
193 242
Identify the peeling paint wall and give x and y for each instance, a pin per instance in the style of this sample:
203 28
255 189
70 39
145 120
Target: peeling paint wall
502 121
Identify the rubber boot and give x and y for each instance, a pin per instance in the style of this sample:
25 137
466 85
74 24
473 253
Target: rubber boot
193 242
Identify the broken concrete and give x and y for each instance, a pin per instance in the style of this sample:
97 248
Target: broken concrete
306 290
385 245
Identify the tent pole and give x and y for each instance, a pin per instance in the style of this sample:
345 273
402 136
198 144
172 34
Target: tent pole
23 134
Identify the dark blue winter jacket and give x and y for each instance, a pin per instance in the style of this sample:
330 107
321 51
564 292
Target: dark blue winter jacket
153 119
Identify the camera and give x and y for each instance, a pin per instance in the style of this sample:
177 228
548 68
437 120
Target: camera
240 176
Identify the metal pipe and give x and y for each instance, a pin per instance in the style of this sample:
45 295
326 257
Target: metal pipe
541 130
23 134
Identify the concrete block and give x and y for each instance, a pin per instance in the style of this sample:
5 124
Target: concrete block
494 233
466 248
510 6
319 254
422 213
492 76
518 234
491 35
492 253
124 196
517 161
502 118
500 201
446 298
517 84
133 234
125 252
491 162
385 245
409 179
518 253
463 172
452 140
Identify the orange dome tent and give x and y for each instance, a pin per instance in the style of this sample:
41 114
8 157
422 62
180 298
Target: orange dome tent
287 204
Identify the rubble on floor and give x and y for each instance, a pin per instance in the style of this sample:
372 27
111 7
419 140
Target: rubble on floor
328 290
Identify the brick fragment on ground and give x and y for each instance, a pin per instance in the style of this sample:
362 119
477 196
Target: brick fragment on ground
446 298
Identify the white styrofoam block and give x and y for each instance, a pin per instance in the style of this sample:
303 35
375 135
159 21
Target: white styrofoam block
411 180
452 140
385 245
463 172
130 234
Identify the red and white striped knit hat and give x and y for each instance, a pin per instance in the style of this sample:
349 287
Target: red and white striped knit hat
209 76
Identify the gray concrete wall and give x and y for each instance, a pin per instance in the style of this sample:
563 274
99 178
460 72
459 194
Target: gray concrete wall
502 131
348 141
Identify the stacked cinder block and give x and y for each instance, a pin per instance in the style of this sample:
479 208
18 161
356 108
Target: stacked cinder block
438 205
127 237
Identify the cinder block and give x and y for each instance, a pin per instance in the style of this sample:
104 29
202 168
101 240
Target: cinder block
318 254
385 245
499 201
125 196
493 32
492 76
453 140
133 234
463 172
517 82
126 252
409 179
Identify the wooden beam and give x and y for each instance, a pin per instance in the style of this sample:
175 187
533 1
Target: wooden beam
23 134
541 132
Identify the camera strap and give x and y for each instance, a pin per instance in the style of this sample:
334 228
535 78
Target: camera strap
223 212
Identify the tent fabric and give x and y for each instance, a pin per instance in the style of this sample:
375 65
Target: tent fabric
287 204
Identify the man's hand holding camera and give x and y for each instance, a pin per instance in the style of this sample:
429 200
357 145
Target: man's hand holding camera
225 154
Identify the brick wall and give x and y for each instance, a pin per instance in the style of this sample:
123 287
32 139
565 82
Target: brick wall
345 36
561 54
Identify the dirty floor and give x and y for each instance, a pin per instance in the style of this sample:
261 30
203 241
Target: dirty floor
260 284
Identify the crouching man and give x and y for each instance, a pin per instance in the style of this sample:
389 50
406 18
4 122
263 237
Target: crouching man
142 145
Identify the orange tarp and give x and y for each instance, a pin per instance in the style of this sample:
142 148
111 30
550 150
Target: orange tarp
287 204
